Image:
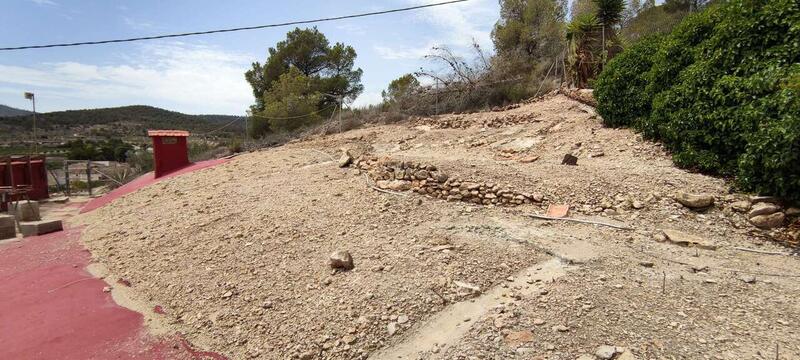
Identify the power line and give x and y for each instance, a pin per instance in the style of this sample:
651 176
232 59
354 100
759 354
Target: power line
232 29
294 117
221 127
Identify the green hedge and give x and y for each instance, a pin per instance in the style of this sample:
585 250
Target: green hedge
720 91
619 90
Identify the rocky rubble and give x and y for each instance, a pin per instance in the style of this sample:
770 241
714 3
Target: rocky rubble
585 96
239 256
429 180
463 121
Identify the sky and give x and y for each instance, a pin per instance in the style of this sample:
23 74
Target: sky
205 74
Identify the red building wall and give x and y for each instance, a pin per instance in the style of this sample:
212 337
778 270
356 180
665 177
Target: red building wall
18 172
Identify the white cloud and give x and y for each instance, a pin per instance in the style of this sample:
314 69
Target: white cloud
403 52
368 98
352 29
455 26
44 2
462 22
137 25
188 78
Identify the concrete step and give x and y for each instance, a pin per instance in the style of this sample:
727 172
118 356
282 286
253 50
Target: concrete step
8 227
41 227
8 233
7 220
26 211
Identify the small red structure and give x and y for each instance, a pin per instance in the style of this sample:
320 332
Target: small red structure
22 177
170 150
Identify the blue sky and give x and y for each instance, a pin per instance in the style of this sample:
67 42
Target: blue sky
204 74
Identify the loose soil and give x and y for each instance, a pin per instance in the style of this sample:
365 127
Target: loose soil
237 255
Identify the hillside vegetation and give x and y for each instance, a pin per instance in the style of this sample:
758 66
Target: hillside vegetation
722 91
6 111
121 121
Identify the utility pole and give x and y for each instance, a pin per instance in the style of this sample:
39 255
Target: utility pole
32 98
246 118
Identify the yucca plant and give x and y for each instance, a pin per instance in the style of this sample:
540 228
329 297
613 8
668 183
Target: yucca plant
584 51
609 12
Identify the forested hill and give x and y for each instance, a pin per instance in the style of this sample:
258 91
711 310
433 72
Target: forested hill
10 111
123 121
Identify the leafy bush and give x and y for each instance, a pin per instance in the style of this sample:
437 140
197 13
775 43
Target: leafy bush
141 160
619 89
108 150
235 146
724 94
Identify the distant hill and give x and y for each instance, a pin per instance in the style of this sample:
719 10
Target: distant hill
121 122
6 111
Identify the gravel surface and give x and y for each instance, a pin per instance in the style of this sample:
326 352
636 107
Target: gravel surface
238 255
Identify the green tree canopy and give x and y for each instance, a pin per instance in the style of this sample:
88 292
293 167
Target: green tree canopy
326 70
291 102
529 29
399 88
308 50
581 8
609 12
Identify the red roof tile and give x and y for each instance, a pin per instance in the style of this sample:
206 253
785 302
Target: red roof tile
152 133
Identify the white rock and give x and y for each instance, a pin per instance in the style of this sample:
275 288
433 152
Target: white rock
391 328
606 352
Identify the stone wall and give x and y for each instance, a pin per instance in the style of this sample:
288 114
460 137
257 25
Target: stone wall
428 180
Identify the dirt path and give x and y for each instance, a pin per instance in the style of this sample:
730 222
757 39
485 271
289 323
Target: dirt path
447 327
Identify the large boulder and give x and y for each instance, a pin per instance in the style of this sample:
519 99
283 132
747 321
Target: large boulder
768 221
763 208
741 206
694 201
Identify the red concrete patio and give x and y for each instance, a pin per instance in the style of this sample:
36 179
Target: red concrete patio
52 308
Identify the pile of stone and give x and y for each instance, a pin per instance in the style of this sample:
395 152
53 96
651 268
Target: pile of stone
465 121
791 236
428 180
585 96
764 212
506 108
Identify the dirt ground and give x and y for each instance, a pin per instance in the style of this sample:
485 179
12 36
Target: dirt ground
237 255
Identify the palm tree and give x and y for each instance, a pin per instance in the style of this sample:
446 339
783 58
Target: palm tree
592 38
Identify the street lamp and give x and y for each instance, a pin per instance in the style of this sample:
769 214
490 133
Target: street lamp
32 98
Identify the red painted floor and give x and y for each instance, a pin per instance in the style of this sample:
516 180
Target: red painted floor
51 308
